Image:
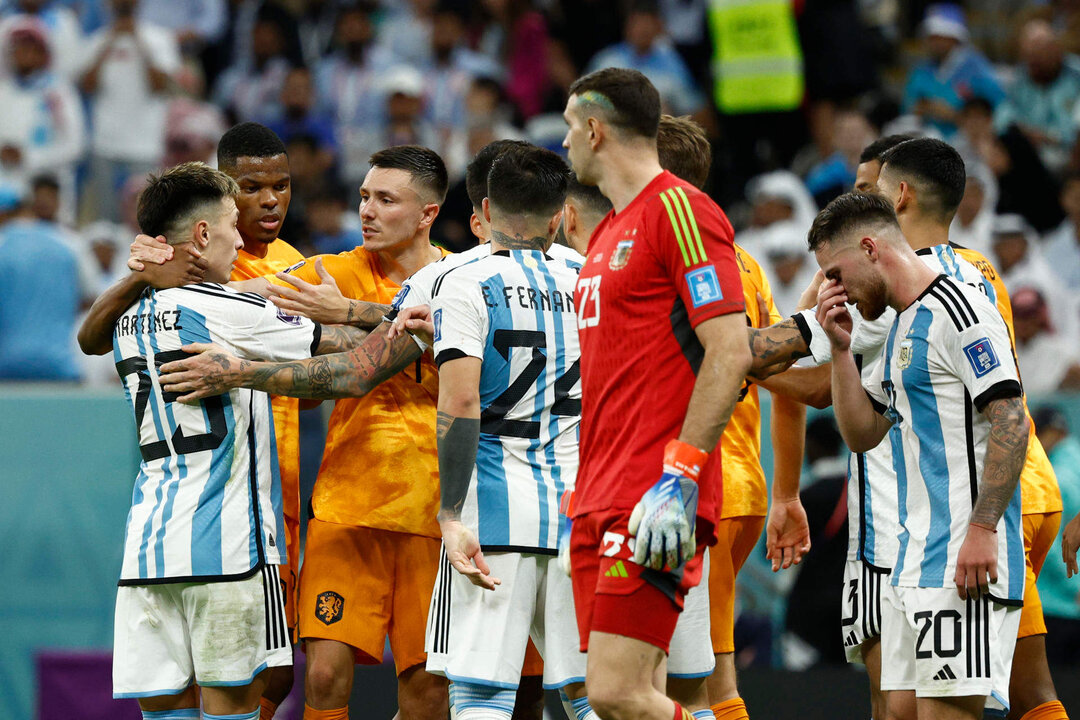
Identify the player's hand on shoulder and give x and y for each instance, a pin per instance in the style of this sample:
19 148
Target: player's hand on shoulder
976 563
787 533
164 266
211 370
664 520
1070 541
833 315
463 552
323 302
415 320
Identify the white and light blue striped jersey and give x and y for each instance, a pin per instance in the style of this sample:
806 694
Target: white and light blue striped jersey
207 500
873 530
417 290
947 356
515 311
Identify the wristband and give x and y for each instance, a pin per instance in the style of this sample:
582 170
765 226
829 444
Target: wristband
984 527
685 458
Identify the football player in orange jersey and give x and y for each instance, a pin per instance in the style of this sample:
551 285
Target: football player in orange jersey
255 157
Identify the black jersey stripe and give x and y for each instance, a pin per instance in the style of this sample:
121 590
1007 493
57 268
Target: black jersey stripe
225 296
950 309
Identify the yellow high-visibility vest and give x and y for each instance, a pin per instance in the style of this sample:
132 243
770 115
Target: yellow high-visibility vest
757 60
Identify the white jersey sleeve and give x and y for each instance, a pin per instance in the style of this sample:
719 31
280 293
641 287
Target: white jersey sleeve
459 313
271 334
979 352
867 336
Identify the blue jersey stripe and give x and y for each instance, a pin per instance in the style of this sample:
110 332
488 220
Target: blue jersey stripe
553 421
899 463
165 464
933 466
493 502
538 401
870 538
275 485
1014 539
181 461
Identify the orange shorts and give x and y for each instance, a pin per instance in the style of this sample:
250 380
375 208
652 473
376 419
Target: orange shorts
534 664
1040 529
736 538
359 585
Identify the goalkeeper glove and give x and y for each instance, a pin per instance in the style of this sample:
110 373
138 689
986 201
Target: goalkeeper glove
663 520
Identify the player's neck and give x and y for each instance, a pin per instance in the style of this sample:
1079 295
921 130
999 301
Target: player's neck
909 277
507 237
257 248
628 172
398 263
924 233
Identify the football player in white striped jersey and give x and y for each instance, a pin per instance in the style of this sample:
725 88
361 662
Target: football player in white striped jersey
948 397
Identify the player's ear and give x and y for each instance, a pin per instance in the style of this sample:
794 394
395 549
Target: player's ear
596 132
906 200
553 223
569 219
430 212
201 233
869 246
477 227
485 207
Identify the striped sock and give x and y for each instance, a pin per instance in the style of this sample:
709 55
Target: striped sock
1052 710
181 714
473 701
253 715
705 714
311 713
267 709
733 709
681 713
578 709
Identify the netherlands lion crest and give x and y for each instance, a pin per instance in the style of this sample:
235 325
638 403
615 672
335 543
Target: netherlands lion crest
329 607
621 256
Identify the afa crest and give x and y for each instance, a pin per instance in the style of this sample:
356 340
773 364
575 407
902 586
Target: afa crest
329 606
621 256
903 359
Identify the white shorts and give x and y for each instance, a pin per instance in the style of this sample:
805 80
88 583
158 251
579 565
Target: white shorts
938 645
479 636
861 617
690 654
170 635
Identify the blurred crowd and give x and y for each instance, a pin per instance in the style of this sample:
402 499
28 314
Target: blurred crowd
96 93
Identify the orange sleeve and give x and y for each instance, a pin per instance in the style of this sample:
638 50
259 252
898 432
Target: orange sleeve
347 269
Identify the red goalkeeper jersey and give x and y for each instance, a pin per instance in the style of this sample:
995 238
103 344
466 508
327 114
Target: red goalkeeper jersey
654 272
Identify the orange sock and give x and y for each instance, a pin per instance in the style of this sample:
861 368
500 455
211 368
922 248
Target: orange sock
1053 710
311 713
267 709
733 709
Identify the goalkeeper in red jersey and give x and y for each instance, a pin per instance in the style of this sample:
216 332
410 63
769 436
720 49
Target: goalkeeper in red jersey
654 403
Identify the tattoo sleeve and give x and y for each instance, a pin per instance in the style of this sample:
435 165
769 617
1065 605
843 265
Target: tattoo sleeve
347 374
1006 449
458 438
339 338
363 314
780 343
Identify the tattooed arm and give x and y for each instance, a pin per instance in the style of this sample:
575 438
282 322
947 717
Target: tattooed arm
458 437
775 347
347 374
1006 450
339 338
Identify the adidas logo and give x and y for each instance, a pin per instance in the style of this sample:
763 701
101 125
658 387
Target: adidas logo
945 673
617 570
851 640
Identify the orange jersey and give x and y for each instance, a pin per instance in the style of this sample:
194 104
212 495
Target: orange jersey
744 491
1039 491
380 468
279 256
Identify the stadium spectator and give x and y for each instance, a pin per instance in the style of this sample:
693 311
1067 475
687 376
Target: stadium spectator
194 23
251 88
1062 245
515 37
975 215
449 73
646 48
37 319
310 171
41 116
1060 597
788 266
408 32
349 89
1018 258
332 226
836 174
954 72
192 129
315 27
126 73
1042 98
299 114
1049 360
775 197
62 31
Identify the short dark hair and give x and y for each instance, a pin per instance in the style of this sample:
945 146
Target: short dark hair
171 198
588 197
248 139
476 173
879 147
423 164
684 149
45 181
625 98
846 213
934 168
528 180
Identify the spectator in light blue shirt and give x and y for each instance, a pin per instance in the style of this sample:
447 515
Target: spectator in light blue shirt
1042 97
647 49
41 296
955 71
1060 596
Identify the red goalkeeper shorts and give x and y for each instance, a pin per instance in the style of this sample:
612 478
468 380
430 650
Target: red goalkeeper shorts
613 594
